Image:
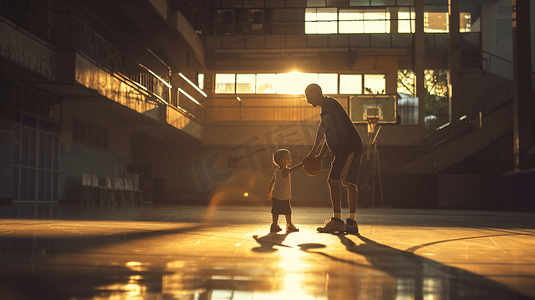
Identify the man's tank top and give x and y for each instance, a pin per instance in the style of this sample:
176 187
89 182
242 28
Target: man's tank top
341 135
283 186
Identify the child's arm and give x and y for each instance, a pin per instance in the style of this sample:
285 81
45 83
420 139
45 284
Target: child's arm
271 185
287 171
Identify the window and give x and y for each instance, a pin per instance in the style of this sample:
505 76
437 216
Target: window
466 22
245 84
367 20
266 83
406 22
351 84
321 20
344 21
225 83
374 84
436 22
200 81
328 83
294 82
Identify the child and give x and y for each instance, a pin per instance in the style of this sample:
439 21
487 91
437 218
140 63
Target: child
280 191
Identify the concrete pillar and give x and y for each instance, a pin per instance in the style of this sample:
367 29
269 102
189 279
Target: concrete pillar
522 103
393 19
454 60
419 59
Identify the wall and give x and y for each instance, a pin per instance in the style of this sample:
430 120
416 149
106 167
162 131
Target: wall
6 144
224 174
76 158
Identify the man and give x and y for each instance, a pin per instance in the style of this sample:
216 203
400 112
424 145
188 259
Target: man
344 141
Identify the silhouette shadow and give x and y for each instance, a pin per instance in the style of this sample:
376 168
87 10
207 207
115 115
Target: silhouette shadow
455 283
269 241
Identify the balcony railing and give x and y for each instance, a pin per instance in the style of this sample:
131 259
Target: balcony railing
34 16
215 114
100 44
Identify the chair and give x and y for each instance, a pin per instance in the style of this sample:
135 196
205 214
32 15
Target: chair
133 191
128 189
97 188
136 190
110 191
87 191
118 187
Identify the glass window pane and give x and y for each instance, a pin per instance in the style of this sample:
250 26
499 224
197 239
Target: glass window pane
245 84
310 28
466 22
326 27
351 27
200 80
328 83
436 22
310 14
320 20
266 83
406 23
375 84
225 83
350 14
327 14
295 83
350 84
377 21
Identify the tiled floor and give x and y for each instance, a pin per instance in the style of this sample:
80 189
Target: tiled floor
198 252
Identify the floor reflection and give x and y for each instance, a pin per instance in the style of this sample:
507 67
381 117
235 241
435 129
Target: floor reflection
141 254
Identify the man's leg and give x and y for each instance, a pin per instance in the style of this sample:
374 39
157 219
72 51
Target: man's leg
335 223
334 188
353 198
352 195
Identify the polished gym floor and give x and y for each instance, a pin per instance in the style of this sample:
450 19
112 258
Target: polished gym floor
70 251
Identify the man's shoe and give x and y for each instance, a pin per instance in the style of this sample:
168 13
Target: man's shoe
332 226
275 228
351 226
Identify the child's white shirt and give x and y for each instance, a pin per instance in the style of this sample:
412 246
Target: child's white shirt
283 186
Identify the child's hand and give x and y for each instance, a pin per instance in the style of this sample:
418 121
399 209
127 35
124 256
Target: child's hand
268 196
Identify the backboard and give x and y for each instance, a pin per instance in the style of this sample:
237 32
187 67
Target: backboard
382 107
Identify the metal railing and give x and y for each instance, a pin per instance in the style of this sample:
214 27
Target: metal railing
100 44
186 105
450 131
34 16
216 114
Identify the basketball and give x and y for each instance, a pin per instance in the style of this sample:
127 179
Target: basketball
312 167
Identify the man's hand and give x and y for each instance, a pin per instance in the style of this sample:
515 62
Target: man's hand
268 196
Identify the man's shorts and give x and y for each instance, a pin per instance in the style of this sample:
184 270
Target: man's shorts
347 167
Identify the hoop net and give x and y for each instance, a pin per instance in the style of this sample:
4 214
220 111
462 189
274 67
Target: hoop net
372 124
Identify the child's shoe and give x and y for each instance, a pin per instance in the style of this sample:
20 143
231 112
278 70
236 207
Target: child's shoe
291 228
275 228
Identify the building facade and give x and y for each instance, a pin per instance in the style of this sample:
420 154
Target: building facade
189 99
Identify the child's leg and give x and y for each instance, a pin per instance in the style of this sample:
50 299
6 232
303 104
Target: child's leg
275 219
288 219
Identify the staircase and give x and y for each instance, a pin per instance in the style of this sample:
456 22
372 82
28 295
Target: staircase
492 118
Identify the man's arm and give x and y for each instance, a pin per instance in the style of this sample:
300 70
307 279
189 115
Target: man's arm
323 152
320 136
